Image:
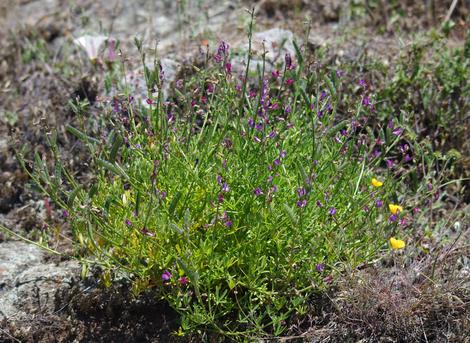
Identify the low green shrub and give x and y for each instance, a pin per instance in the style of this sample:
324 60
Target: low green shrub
235 201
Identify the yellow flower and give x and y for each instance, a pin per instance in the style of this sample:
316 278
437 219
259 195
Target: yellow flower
376 183
395 208
397 243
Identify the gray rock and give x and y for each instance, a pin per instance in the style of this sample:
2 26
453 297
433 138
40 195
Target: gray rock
27 284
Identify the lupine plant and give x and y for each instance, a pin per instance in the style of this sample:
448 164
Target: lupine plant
236 199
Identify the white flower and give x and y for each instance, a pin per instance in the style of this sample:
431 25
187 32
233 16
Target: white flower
91 44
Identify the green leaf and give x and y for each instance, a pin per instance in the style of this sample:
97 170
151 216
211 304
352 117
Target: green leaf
291 214
174 202
82 136
115 168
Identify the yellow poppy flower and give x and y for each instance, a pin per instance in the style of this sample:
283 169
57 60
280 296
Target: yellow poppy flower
397 243
395 208
376 183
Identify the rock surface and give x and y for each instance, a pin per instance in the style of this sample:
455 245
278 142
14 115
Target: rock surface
28 284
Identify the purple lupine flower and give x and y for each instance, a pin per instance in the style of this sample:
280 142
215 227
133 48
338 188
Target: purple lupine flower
223 48
301 203
166 276
402 222
210 88
273 189
408 158
251 122
252 94
429 186
332 211
277 162
272 134
228 68
389 163
128 222
301 192
225 187
398 131
379 203
258 191
390 124
275 74
218 58
376 153
393 218
362 83
179 83
366 208
339 73
219 179
257 139
287 109
288 60
289 82
319 204
366 101
183 281
259 126
228 223
323 95
146 232
319 114
282 154
270 178
320 267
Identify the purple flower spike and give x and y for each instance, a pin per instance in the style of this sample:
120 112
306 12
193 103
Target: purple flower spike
393 218
408 158
319 204
288 60
332 211
389 163
379 203
282 154
320 267
301 192
65 213
398 131
301 203
258 191
128 222
183 281
225 187
166 276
